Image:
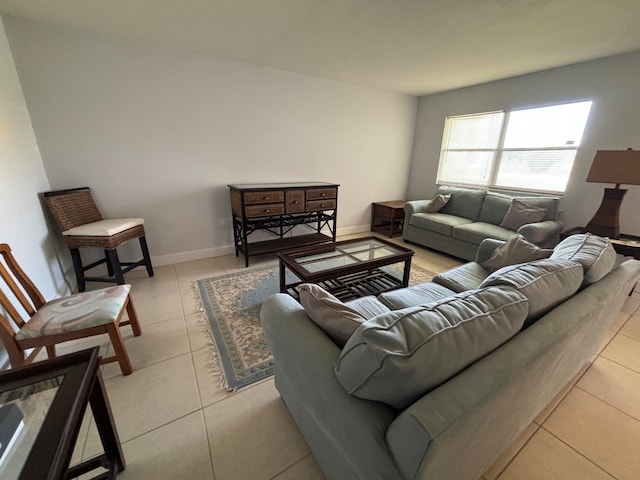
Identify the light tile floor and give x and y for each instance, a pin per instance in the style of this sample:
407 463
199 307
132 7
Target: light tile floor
175 422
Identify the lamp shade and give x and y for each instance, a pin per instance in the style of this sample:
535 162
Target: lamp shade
616 166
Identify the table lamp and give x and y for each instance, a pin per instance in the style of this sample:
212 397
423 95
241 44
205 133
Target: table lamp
617 167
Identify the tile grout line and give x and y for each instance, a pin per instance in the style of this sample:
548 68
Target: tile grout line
578 452
609 404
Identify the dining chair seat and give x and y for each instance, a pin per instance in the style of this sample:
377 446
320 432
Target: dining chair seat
76 312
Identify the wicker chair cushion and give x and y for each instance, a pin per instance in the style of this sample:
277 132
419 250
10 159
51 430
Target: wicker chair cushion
104 228
76 312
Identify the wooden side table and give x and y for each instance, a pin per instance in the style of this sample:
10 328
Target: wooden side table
388 217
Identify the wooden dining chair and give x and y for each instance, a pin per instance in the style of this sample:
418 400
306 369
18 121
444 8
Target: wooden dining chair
82 225
69 318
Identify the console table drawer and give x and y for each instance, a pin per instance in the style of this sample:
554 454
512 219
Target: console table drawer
275 196
321 205
295 201
320 193
264 210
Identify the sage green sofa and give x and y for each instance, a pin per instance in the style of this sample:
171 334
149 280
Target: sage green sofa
457 429
472 215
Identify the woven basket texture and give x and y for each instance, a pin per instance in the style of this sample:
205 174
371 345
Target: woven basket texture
73 209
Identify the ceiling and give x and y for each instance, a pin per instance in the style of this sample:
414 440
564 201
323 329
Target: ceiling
409 46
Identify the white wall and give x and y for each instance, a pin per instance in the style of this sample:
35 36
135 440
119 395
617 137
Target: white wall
614 123
22 177
159 133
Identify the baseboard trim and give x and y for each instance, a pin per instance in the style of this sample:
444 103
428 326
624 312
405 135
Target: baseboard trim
192 255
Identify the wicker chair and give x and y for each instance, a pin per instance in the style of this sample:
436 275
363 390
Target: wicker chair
69 318
82 225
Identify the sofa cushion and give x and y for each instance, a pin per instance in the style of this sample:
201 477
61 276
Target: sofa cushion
513 251
462 278
494 208
545 283
397 357
437 222
437 203
368 306
476 232
521 213
336 319
550 204
464 202
413 296
596 255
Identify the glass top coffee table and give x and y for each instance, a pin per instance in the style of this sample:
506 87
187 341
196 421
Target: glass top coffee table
348 269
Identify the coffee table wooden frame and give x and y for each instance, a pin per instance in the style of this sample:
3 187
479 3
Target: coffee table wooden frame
350 281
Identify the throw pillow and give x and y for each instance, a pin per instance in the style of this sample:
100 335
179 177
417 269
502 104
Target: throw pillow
437 202
335 318
399 356
513 251
520 213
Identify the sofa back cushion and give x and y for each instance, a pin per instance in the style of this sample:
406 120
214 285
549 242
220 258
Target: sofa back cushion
594 253
495 206
464 202
397 357
545 283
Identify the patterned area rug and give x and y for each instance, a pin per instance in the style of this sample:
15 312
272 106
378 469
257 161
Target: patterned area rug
231 303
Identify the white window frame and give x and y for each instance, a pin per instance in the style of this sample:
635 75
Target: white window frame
499 151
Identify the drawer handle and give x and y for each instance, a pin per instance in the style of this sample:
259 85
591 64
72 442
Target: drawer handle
322 205
266 210
295 202
266 197
323 194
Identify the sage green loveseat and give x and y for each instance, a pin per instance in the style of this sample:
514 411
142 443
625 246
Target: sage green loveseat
457 429
472 215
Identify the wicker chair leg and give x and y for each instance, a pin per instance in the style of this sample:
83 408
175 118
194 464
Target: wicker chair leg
145 255
113 259
77 267
109 267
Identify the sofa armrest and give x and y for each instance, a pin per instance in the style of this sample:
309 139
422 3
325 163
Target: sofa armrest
346 434
544 234
486 249
415 206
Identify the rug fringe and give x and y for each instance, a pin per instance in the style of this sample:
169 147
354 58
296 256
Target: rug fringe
211 344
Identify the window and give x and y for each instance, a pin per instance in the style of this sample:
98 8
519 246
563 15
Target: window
531 149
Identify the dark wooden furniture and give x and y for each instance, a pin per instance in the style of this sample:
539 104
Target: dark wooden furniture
47 324
387 218
52 397
627 245
348 269
278 208
82 225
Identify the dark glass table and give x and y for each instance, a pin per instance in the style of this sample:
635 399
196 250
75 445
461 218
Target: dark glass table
348 269
43 406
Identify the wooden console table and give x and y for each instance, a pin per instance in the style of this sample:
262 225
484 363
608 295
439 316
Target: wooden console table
278 208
